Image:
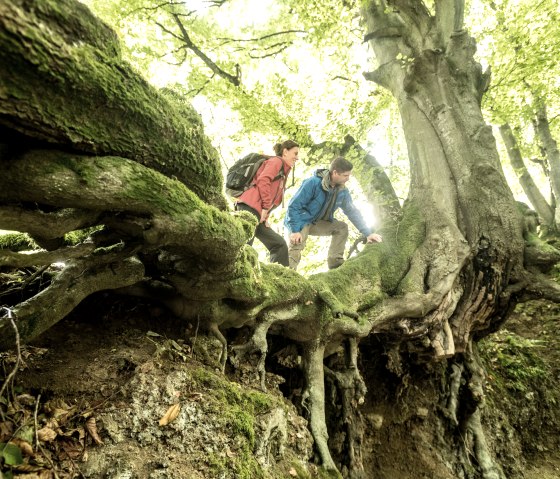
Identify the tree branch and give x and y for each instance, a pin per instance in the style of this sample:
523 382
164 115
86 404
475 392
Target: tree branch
233 79
257 39
449 18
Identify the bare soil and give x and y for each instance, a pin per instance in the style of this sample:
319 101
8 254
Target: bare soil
101 381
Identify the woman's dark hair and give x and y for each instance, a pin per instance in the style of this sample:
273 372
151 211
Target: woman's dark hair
341 165
288 145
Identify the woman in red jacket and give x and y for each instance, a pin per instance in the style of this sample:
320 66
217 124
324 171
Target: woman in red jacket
266 192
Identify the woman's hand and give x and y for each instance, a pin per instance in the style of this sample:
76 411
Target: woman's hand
264 217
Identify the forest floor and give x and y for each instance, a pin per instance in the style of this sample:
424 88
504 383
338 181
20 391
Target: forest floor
98 385
523 366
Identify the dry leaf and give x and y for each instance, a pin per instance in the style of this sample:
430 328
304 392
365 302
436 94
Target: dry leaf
46 434
25 447
26 399
27 468
293 472
170 415
6 431
70 450
91 427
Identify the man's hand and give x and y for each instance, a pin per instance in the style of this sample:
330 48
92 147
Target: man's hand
295 238
374 238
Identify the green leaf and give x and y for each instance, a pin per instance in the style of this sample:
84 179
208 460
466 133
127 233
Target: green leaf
11 454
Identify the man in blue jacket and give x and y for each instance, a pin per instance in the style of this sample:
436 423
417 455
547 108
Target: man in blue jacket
311 212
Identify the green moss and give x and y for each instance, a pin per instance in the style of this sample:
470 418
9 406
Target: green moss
79 236
402 240
328 474
239 406
242 463
232 392
17 242
156 129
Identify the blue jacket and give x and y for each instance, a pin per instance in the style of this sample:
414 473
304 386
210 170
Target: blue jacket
311 200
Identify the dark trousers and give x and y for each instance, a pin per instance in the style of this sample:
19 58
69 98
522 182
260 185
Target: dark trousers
274 243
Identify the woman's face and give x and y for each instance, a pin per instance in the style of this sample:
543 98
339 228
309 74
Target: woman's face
290 156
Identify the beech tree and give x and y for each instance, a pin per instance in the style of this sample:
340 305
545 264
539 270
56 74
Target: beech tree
523 96
91 148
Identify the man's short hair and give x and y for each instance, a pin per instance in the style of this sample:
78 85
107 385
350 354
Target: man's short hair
341 165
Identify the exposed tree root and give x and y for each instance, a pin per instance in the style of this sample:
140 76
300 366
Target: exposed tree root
78 280
475 437
259 344
215 330
351 391
451 411
46 225
18 260
541 287
313 400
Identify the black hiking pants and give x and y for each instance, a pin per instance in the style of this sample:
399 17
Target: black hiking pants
274 243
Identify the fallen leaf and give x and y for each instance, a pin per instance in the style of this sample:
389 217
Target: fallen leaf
28 468
26 399
91 427
293 472
46 434
170 415
25 447
70 450
6 431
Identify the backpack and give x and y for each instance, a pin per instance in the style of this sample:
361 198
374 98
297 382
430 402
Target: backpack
240 176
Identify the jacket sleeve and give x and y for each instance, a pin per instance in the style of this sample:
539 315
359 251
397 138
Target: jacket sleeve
355 216
296 207
264 181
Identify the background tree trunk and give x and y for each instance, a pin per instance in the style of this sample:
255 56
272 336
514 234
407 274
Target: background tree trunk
538 201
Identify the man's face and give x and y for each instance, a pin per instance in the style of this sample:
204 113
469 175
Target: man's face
339 178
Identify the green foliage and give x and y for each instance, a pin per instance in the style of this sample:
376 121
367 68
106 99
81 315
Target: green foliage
520 42
515 361
17 242
11 454
293 46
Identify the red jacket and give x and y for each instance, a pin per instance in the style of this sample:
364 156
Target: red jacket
267 190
